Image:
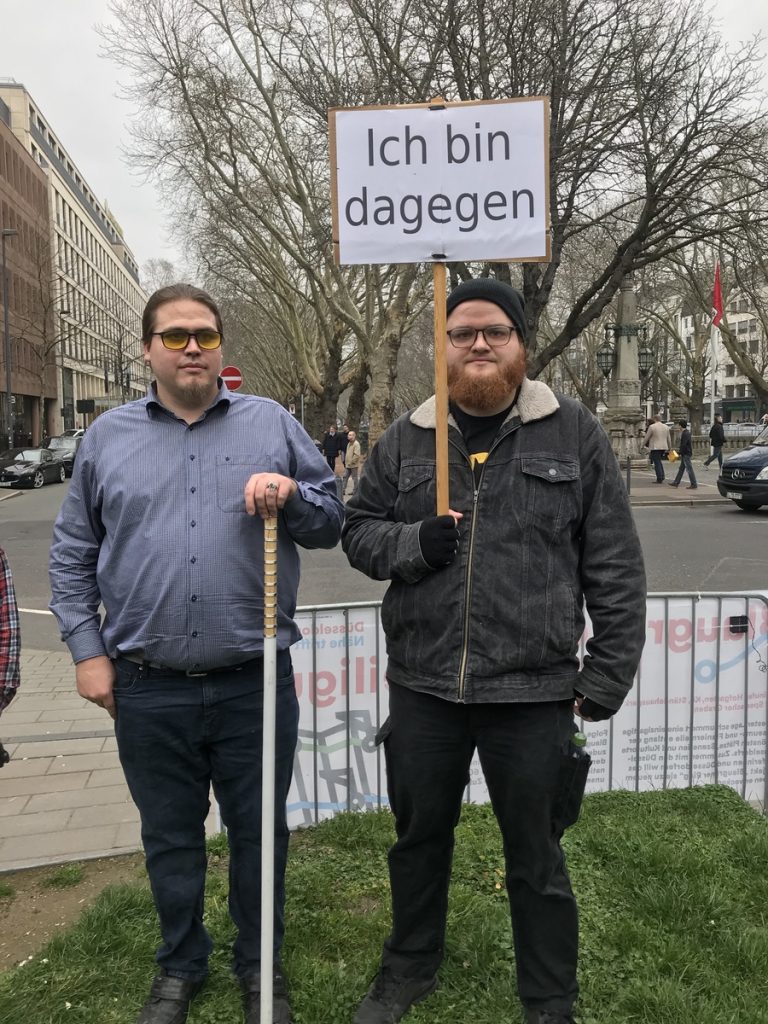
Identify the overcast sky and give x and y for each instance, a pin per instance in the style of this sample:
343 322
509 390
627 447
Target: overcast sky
51 47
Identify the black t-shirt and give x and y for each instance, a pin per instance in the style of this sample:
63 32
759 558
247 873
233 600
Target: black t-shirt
479 433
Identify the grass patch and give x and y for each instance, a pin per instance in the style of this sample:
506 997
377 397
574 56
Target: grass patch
672 889
64 877
7 892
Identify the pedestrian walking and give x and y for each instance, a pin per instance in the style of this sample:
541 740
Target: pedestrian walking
352 464
717 440
175 556
483 617
658 443
331 446
343 442
686 458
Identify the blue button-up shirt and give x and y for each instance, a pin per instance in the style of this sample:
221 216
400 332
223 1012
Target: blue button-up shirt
154 528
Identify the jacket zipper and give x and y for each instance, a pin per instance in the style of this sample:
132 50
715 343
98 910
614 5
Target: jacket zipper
468 593
468 577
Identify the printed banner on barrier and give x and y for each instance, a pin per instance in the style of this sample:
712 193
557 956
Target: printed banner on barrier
696 715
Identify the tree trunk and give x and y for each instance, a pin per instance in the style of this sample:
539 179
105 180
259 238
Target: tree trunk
383 377
356 405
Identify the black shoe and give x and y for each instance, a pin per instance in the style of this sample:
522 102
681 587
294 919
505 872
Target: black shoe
169 1000
692 487
391 996
548 1017
281 1008
674 485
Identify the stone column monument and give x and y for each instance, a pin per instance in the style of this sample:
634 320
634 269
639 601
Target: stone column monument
624 420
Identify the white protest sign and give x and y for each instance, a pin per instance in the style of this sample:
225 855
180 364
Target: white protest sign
464 181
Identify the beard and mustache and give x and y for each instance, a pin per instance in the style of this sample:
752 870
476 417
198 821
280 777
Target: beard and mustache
486 392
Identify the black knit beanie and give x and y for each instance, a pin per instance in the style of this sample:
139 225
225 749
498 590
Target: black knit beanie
502 295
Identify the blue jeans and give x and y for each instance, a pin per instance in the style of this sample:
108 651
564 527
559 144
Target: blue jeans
428 745
716 454
177 736
686 464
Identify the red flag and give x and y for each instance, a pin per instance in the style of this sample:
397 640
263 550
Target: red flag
717 298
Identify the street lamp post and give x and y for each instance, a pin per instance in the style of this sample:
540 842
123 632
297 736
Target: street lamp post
7 233
62 313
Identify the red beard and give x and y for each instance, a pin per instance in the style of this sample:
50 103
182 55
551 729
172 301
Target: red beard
490 390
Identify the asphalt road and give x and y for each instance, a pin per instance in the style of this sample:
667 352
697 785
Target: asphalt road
708 548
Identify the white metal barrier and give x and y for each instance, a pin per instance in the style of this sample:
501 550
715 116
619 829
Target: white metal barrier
696 715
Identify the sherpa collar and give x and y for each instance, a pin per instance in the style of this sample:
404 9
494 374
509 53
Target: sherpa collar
535 400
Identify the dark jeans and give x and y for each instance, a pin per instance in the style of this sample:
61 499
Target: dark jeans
717 453
686 463
656 461
176 736
429 745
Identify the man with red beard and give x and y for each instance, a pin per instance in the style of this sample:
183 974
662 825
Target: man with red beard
483 619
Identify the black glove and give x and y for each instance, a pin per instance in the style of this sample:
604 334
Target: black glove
439 541
596 712
5 757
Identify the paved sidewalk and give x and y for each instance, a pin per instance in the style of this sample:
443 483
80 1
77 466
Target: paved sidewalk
644 490
63 796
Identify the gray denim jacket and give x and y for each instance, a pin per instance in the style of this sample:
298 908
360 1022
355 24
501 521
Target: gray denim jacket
548 529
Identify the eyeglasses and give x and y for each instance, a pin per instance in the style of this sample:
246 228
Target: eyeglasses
495 335
178 339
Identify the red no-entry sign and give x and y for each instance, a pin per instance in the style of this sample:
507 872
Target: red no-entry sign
232 377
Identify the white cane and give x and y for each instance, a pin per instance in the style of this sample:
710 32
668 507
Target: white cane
268 768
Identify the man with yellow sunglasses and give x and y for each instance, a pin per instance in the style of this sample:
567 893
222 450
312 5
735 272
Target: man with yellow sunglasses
162 526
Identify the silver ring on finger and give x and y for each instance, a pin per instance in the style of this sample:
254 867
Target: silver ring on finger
271 486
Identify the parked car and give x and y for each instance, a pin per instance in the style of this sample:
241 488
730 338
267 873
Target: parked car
29 467
64 447
744 476
73 432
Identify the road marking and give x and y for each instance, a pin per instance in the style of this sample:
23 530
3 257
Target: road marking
36 611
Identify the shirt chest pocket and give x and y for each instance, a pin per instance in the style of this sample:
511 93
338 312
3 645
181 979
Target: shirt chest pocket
232 474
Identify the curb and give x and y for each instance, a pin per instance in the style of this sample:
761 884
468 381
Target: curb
11 494
679 503
55 860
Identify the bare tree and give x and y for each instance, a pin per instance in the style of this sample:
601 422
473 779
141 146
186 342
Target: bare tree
746 274
38 330
234 102
656 142
159 273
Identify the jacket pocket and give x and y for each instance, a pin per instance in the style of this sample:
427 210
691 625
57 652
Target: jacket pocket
550 468
415 491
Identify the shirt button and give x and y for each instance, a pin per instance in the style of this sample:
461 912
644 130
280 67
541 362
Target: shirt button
194 597
193 489
194 632
193 523
553 472
191 458
193 559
